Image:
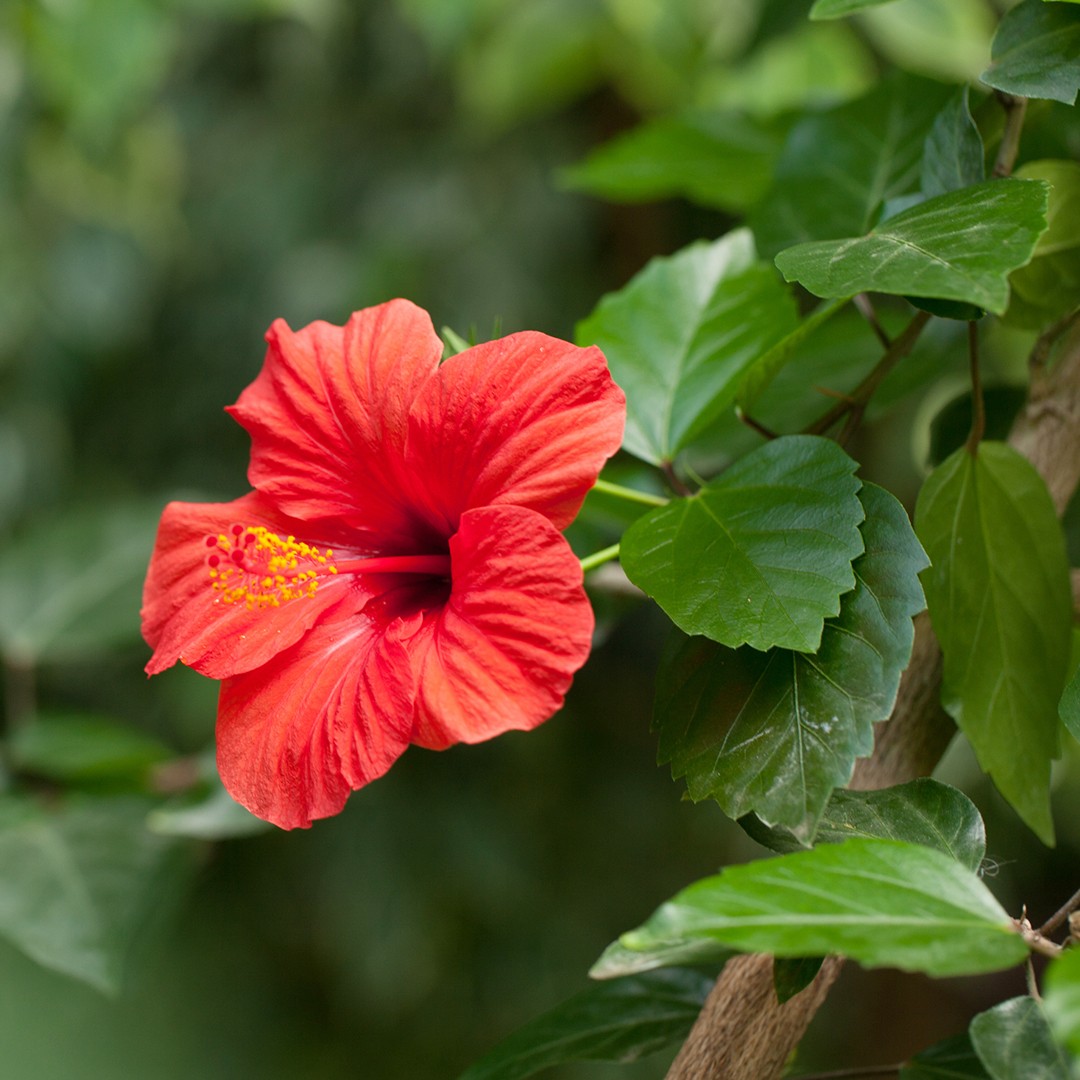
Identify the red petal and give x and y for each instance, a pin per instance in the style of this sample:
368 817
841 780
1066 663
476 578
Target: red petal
184 619
527 420
328 419
331 714
502 652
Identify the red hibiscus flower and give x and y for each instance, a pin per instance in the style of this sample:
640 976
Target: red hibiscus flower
398 574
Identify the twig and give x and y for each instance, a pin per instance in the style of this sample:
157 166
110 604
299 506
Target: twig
1059 916
1040 351
1015 107
754 425
866 310
978 407
674 480
1034 940
859 398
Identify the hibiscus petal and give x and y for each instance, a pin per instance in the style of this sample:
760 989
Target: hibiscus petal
527 420
328 417
184 618
501 653
297 735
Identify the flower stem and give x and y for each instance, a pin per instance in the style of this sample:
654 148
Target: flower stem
598 558
629 494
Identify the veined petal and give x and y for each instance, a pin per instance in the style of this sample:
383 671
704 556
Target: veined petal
328 417
501 653
192 616
527 420
295 736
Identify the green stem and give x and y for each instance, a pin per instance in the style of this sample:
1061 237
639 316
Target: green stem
598 558
629 494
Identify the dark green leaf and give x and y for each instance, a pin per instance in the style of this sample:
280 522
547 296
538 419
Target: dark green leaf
621 1020
792 975
760 556
207 812
958 246
680 335
1000 602
1069 706
1061 999
881 902
837 9
715 159
951 1059
953 154
920 812
1048 288
72 588
838 168
774 733
1036 52
1013 1041
80 747
81 879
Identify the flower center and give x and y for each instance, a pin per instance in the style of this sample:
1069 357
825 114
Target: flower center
253 566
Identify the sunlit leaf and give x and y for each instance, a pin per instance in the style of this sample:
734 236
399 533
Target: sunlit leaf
1013 1040
922 811
81 879
680 335
1036 52
883 903
761 555
1000 603
837 9
839 167
957 246
617 960
621 1020
774 733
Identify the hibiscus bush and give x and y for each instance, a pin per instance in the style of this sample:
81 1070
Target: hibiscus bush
664 385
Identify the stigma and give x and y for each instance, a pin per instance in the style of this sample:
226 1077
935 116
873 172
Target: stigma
253 566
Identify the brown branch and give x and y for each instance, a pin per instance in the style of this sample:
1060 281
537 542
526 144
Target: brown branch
1015 110
742 1033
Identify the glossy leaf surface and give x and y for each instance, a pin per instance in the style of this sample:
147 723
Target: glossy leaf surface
1000 603
621 1020
957 246
1036 52
953 155
1013 1040
762 555
774 733
881 902
680 335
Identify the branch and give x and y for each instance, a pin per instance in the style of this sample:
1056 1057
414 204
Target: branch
742 1033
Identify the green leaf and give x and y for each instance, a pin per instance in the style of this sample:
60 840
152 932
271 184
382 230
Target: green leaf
761 555
722 160
1061 999
81 879
1036 52
619 1021
837 9
774 733
208 812
950 1059
74 747
1048 288
71 588
953 156
792 975
1013 1040
680 335
617 960
958 246
883 903
922 811
839 167
1001 606
1069 706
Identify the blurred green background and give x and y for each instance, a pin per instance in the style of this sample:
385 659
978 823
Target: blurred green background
174 174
